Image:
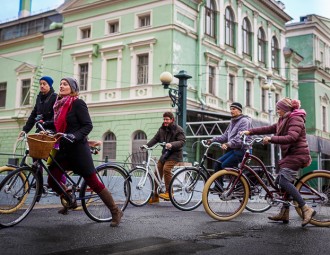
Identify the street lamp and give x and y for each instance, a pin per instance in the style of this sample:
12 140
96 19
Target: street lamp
270 88
178 97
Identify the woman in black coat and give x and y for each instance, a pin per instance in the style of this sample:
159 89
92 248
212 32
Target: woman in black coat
71 116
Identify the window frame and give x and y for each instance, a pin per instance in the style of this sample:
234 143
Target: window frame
275 53
210 18
108 148
246 37
261 45
25 92
3 94
229 27
83 76
145 69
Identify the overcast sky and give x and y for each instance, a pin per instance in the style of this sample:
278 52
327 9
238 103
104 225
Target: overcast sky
295 8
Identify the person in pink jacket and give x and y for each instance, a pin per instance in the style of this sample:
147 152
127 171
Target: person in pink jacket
290 133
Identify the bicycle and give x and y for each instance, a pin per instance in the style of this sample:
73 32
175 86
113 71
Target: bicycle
231 198
143 179
21 189
21 143
186 186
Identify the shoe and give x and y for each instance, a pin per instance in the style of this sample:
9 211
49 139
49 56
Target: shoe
165 196
283 215
308 214
154 200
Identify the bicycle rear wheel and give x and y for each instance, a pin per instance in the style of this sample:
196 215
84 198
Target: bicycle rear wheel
142 186
17 197
315 190
116 180
186 188
257 202
227 201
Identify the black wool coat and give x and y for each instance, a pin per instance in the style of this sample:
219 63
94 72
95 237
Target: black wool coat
77 155
44 105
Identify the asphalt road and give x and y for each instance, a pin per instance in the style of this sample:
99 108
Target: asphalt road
161 229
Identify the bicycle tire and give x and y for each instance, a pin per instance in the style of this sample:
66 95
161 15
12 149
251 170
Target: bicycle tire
257 202
141 190
17 198
186 190
317 181
225 205
116 180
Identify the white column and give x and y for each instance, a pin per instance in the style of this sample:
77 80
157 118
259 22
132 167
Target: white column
255 38
282 60
222 24
269 54
103 71
239 28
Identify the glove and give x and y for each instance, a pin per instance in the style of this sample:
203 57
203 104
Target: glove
70 137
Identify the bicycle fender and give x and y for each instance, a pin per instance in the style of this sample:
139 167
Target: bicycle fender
309 173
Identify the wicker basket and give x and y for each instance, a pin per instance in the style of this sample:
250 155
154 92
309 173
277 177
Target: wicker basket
40 145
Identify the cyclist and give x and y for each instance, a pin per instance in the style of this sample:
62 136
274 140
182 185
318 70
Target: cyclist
71 116
174 137
43 109
230 140
290 133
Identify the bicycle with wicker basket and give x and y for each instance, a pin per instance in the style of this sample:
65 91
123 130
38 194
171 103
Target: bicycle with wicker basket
21 189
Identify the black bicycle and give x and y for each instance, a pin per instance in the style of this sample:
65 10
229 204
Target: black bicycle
22 188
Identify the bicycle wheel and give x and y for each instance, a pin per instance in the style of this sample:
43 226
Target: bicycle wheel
116 180
17 198
228 201
142 186
186 188
257 202
5 170
315 190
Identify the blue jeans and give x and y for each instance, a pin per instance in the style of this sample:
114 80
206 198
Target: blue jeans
230 159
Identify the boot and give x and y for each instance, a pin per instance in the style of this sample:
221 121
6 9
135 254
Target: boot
308 214
154 199
283 215
116 213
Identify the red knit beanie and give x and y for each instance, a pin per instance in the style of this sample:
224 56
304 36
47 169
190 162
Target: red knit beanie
287 104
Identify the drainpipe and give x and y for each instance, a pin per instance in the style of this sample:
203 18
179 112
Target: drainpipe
199 50
24 8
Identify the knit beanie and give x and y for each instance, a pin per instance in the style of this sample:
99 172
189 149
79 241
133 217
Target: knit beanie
73 83
48 79
237 106
287 104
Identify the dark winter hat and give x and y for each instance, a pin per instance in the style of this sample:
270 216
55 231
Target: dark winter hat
48 79
73 83
237 106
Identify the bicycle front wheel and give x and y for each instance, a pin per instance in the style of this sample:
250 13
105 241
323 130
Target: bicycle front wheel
186 188
4 171
224 195
315 190
142 186
18 195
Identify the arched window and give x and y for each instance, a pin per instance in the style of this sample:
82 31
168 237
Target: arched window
139 139
275 53
210 18
246 30
261 45
109 146
229 27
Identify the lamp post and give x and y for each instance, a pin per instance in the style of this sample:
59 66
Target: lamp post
270 88
178 97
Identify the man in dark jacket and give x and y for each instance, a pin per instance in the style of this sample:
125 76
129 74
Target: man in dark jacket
174 137
43 109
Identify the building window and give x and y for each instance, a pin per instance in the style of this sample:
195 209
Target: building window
263 100
144 20
83 76
246 30
142 68
3 92
212 80
85 32
275 53
324 118
113 26
109 147
229 27
210 18
231 86
261 45
26 92
248 93
139 139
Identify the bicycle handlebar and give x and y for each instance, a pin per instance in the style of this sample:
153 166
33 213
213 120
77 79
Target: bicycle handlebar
145 147
59 134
